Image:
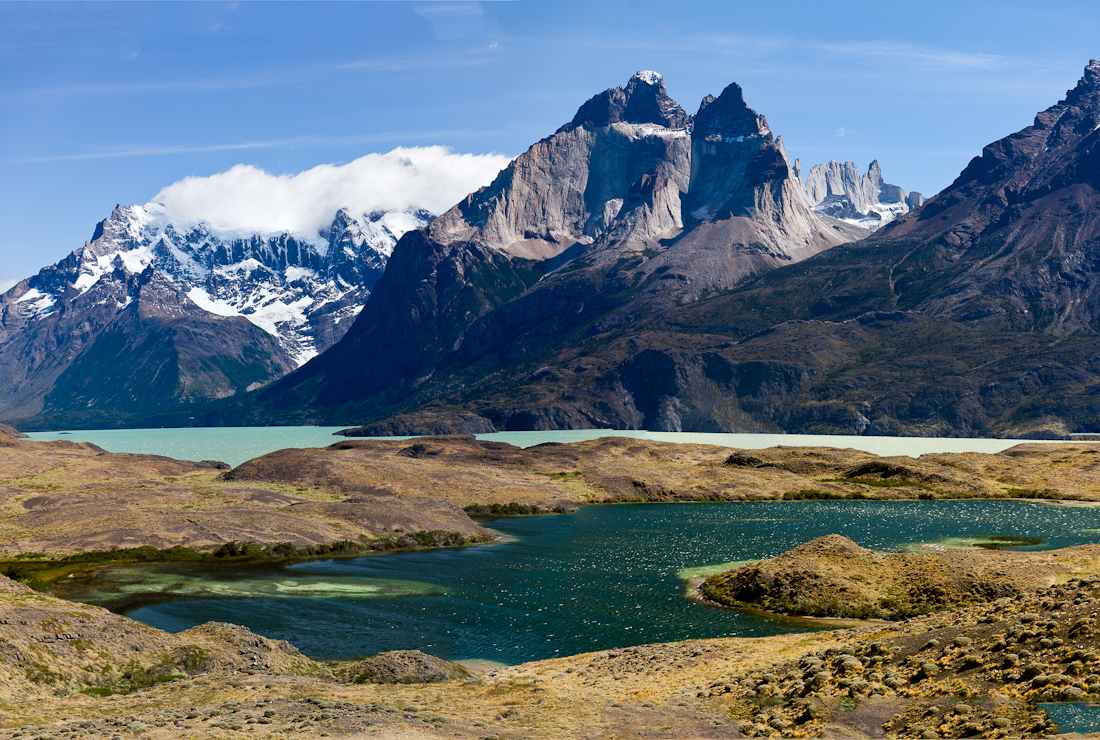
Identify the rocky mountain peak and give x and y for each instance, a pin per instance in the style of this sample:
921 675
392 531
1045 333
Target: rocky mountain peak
1087 91
275 299
643 100
874 174
838 190
727 117
1048 169
119 230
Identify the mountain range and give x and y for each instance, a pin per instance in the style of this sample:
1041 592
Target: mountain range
646 268
159 311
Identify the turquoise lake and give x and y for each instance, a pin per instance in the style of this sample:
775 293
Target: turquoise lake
603 577
235 445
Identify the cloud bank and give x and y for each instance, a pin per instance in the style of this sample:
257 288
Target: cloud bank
248 199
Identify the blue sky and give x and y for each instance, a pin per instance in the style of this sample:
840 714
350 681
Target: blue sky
104 103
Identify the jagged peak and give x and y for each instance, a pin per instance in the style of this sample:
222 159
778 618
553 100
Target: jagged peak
727 116
644 99
1086 94
874 173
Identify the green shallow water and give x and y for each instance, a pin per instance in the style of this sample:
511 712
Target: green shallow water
606 576
168 583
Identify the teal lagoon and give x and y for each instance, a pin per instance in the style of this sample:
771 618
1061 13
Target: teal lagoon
604 577
1073 717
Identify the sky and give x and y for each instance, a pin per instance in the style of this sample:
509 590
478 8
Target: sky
105 103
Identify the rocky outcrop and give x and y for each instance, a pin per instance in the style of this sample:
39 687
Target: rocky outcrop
832 576
429 422
405 666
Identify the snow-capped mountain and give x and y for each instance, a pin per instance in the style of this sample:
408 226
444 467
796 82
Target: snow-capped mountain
302 289
242 308
838 190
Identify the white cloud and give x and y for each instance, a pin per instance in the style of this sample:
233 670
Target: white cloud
841 132
246 198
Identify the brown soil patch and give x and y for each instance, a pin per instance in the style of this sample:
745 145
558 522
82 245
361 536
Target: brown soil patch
66 497
467 472
62 497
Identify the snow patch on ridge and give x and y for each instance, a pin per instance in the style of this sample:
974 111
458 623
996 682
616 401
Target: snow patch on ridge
640 130
297 273
40 303
216 306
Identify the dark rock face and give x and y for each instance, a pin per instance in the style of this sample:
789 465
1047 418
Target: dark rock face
819 578
643 100
1014 240
726 116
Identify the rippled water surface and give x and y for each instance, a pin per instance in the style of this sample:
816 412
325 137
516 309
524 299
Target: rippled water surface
604 577
1079 717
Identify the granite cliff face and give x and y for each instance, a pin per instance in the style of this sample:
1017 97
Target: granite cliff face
157 312
630 208
836 189
632 175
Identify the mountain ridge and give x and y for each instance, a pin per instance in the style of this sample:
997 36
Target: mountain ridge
594 223
973 315
76 339
632 275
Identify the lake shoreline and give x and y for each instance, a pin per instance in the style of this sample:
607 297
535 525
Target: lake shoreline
235 445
